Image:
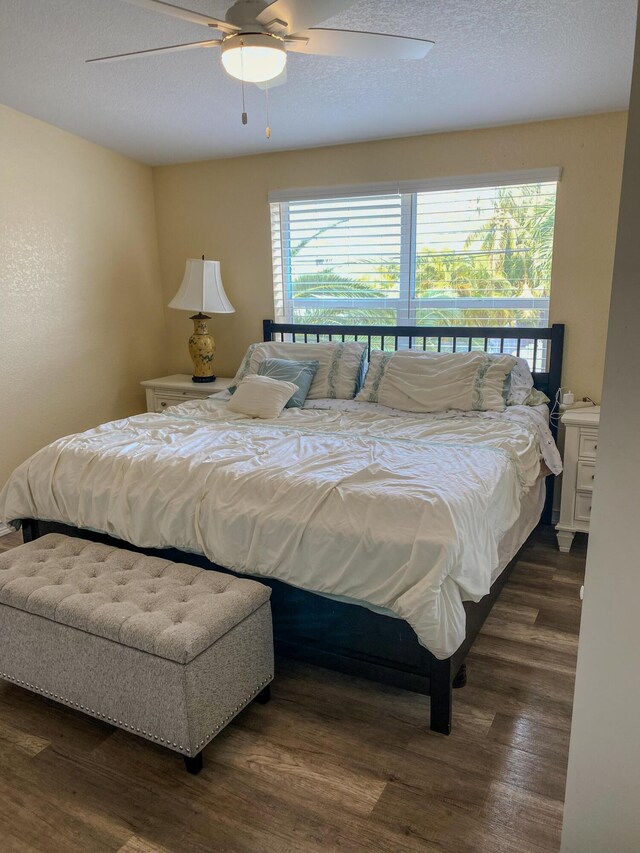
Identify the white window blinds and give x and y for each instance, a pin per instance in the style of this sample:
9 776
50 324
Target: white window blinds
478 256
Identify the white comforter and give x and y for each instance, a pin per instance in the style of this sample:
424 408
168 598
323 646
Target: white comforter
402 512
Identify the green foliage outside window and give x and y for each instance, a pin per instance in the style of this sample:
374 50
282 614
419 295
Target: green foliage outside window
509 255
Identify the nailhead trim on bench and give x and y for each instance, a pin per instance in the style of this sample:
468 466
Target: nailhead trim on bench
147 735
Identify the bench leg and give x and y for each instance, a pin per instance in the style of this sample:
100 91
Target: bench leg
193 763
264 695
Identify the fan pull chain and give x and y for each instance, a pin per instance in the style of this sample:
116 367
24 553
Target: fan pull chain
266 97
244 111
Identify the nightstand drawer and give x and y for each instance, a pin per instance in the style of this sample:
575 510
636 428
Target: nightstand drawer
588 448
585 476
172 390
163 401
583 506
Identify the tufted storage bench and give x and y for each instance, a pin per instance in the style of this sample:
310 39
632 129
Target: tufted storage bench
165 650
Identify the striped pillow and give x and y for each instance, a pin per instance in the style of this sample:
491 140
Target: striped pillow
437 382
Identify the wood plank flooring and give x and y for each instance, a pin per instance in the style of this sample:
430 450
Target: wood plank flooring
332 763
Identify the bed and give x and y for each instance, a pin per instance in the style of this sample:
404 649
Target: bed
261 498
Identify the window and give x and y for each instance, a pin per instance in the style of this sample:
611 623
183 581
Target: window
432 255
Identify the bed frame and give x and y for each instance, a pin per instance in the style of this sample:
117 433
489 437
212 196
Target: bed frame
348 637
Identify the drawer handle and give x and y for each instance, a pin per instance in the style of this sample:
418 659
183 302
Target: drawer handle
163 405
595 446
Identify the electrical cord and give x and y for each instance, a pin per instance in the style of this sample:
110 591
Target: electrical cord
556 412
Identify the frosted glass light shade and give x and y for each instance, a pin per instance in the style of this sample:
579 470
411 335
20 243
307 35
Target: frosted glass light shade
202 289
254 58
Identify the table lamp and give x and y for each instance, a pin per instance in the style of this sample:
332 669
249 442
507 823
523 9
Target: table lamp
202 290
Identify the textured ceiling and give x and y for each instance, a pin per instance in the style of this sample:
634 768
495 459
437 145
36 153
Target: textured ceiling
495 62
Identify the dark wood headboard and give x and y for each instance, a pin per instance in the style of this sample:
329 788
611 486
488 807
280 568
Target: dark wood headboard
542 348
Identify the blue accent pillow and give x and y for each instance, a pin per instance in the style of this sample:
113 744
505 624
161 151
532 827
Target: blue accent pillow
301 373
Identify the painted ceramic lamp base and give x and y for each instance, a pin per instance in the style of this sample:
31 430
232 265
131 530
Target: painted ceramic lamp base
202 348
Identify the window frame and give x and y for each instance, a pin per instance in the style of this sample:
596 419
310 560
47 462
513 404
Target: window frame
406 305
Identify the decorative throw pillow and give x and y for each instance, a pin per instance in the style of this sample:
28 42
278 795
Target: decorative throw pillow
301 373
339 365
436 382
261 397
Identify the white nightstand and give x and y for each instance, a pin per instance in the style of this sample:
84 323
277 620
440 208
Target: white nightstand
579 471
171 390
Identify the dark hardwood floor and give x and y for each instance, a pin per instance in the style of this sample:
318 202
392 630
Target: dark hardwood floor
332 762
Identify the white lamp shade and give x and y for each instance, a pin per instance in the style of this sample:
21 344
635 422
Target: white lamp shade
202 289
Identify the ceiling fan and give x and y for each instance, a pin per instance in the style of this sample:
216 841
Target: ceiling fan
255 36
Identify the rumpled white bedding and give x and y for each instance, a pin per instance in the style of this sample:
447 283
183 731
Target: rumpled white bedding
404 512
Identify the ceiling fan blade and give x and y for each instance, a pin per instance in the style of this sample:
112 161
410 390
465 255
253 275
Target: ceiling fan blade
290 16
280 80
357 45
184 14
172 48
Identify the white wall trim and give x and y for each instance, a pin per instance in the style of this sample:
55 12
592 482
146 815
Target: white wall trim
460 182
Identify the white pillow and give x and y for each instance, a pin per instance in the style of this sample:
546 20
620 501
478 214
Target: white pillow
519 383
436 382
339 365
261 397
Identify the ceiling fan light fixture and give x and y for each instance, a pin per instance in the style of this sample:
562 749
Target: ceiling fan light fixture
254 57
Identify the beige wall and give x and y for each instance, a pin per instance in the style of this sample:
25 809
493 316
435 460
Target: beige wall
220 208
81 310
81 321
